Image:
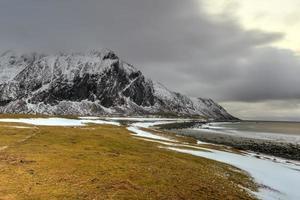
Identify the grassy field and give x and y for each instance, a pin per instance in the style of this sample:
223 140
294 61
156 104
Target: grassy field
106 162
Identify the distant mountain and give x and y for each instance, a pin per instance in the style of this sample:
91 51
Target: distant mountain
95 83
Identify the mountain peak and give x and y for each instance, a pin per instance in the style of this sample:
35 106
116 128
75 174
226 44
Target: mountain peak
93 83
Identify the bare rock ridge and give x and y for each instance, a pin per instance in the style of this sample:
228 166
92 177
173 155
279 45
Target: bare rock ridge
95 83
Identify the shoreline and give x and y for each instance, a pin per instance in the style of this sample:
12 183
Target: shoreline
255 173
270 173
285 150
107 161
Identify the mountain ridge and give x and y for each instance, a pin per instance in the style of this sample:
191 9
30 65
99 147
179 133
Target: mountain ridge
93 83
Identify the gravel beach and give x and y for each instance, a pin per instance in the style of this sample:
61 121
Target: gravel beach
269 147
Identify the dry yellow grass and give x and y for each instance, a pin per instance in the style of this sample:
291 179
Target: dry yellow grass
106 162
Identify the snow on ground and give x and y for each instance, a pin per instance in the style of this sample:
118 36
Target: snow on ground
136 129
281 181
54 121
289 163
147 119
200 142
90 118
45 121
278 180
146 134
149 124
85 121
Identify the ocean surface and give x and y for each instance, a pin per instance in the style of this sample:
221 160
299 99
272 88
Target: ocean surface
275 131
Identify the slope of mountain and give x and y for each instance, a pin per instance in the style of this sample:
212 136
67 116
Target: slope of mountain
96 83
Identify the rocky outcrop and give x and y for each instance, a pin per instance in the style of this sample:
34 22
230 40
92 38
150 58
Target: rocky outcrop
96 83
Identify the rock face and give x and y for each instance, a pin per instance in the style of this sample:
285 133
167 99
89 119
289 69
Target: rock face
96 83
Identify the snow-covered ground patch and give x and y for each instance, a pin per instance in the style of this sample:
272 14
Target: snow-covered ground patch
150 124
86 121
200 142
136 129
46 121
278 181
145 134
145 119
289 163
55 121
89 118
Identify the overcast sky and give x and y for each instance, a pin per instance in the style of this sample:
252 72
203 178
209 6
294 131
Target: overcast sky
243 54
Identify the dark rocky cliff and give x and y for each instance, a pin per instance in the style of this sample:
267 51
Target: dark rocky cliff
96 83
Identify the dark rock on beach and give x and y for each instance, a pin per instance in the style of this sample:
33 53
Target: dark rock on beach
269 147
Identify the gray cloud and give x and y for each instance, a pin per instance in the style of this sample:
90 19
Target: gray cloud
287 110
173 42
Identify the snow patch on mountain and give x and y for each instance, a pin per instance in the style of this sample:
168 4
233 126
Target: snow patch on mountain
94 83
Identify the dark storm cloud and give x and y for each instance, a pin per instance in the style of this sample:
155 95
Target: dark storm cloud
172 41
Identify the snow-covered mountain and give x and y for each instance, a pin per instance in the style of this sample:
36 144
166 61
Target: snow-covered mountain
95 83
